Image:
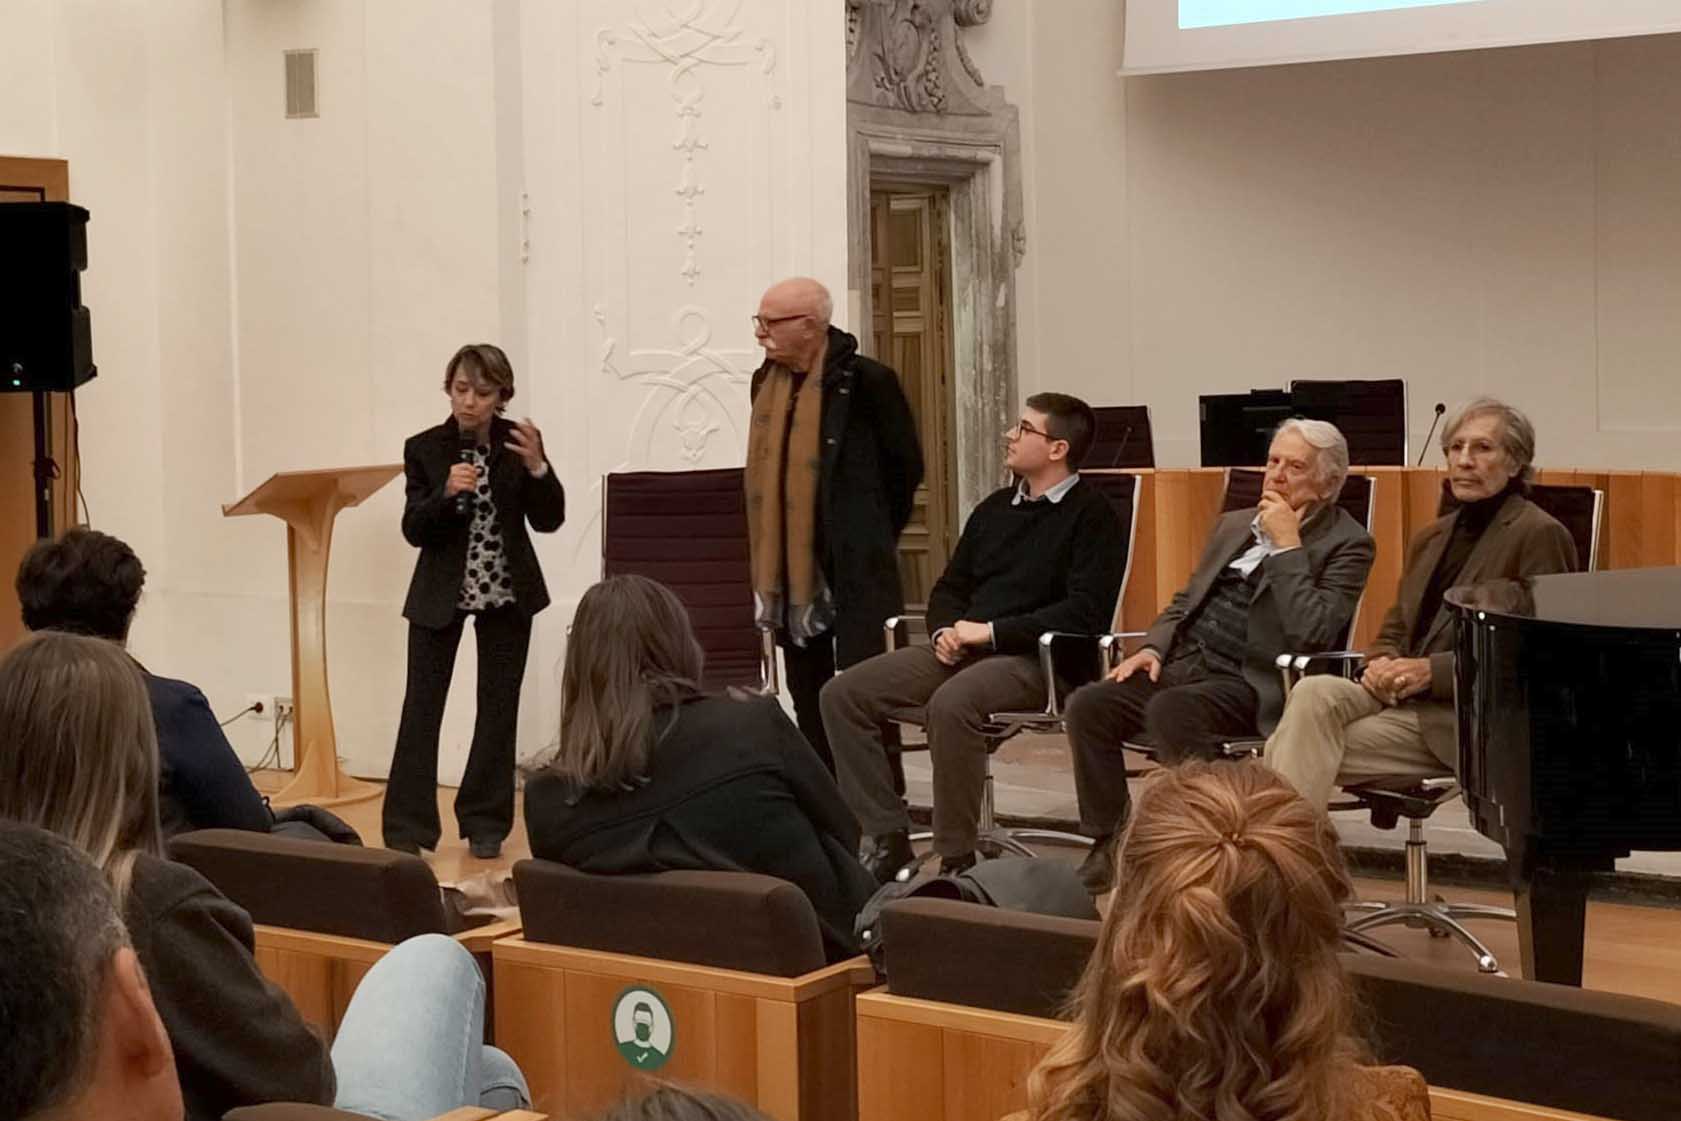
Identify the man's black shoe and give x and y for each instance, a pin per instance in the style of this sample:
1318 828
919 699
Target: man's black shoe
1097 870
952 865
485 848
883 856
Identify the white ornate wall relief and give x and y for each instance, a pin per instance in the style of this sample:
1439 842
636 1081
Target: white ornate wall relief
688 190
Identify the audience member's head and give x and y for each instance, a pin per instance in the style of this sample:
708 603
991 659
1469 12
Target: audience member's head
86 582
1054 418
78 749
631 650
1487 444
1215 988
83 1039
1307 461
673 1103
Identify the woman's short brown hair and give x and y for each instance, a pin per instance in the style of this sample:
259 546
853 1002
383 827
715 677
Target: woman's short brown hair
483 362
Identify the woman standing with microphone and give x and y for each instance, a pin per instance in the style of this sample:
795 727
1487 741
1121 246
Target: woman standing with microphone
473 483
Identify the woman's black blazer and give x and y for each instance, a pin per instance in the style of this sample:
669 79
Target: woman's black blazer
431 523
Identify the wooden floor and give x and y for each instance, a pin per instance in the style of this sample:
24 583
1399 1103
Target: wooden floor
1630 949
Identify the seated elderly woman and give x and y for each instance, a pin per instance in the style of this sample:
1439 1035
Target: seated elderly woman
1216 989
653 774
1398 718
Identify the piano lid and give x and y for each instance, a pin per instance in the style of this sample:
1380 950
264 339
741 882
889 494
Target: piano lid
1641 600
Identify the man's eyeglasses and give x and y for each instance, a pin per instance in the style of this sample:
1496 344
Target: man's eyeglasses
1023 428
762 325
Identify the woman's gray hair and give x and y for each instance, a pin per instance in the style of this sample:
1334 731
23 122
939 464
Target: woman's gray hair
1517 435
1331 462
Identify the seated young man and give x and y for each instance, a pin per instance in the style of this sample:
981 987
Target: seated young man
1045 554
1282 577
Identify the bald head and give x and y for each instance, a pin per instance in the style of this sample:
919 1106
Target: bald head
793 321
799 295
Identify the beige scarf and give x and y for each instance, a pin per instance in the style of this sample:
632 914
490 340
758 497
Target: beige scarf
789 591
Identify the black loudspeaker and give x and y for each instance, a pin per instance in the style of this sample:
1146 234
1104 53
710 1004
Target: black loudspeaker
46 340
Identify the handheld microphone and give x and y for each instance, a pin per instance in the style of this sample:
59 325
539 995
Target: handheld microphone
1425 450
464 454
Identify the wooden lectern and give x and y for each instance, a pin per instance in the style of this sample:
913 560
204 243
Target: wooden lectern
308 501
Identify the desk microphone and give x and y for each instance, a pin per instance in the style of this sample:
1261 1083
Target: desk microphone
464 500
1425 450
1121 448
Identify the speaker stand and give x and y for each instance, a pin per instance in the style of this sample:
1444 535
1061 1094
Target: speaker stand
45 469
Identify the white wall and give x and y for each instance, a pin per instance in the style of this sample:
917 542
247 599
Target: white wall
642 341
1491 221
271 294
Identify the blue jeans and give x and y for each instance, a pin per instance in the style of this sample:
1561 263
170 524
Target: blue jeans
411 1045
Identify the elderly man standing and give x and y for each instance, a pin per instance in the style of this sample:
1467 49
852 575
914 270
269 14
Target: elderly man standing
833 463
1398 718
1284 576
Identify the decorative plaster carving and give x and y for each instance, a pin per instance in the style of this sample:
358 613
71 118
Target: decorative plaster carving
684 35
693 391
909 55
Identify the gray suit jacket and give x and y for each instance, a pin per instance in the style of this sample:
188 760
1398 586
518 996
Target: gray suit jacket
1303 603
1523 540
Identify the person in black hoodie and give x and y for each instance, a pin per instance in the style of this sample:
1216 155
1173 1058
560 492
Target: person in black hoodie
473 483
1045 554
651 774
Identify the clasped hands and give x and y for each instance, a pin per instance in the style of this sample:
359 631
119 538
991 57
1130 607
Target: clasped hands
1393 680
951 642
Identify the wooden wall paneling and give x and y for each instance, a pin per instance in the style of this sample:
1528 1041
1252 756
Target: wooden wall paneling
901 1071
986 1075
784 1044
319 972
1452 1105
1389 536
1139 605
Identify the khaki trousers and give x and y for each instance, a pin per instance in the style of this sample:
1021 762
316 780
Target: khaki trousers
1333 731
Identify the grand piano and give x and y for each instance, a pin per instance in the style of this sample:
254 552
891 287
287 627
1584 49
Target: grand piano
1569 700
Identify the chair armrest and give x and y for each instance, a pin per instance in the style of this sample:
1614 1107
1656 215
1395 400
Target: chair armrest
1293 667
478 939
896 630
1112 646
769 684
1075 659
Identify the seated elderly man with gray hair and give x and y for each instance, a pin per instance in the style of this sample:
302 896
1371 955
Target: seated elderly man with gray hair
1398 718
1285 576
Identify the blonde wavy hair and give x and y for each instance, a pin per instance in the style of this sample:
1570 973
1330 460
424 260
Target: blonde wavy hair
1215 991
79 750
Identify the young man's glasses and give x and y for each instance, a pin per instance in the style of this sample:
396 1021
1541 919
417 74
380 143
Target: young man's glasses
1023 428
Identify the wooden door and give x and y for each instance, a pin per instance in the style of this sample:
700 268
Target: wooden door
30 180
910 279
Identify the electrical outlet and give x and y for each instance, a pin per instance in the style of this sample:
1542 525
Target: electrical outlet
262 707
285 709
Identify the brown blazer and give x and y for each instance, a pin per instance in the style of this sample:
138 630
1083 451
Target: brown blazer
1303 601
1522 540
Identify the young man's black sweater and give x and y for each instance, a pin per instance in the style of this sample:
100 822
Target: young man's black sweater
1032 567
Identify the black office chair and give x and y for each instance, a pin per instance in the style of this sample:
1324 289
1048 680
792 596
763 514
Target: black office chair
1067 661
1122 439
688 530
